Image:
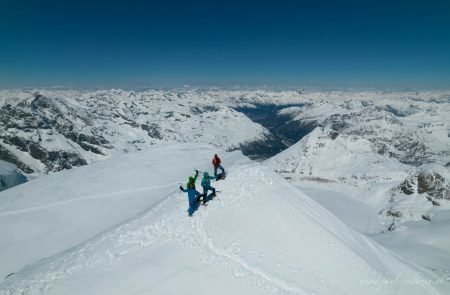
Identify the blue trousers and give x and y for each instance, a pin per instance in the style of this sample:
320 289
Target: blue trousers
205 192
193 203
218 167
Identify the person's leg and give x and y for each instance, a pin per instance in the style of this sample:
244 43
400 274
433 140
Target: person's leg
221 168
215 171
191 205
213 190
205 194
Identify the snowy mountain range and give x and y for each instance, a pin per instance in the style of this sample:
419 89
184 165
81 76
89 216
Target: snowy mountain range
51 130
348 191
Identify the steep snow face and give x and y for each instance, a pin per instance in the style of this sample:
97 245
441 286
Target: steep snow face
328 156
120 227
10 176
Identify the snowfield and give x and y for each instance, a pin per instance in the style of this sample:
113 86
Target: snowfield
120 226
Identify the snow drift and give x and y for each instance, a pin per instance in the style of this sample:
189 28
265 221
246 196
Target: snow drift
120 227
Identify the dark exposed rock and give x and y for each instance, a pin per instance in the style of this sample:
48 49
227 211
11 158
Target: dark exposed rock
427 182
408 187
91 148
153 130
424 184
394 213
36 151
333 134
20 142
7 156
431 182
426 217
23 125
60 160
211 108
338 122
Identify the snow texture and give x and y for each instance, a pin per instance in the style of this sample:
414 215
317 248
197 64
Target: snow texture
120 227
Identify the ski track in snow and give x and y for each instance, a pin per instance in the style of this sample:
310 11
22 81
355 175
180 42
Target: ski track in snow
167 222
84 198
280 284
132 236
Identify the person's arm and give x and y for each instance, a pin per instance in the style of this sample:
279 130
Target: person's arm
197 193
182 189
212 177
196 175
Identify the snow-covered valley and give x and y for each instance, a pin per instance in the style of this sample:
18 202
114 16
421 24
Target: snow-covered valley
349 193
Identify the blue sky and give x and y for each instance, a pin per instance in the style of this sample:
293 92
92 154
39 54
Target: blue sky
384 44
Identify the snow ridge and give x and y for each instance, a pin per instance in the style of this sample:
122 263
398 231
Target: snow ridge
260 235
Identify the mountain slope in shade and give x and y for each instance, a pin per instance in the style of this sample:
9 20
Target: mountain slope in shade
10 176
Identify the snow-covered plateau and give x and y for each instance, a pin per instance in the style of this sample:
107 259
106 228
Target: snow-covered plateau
327 192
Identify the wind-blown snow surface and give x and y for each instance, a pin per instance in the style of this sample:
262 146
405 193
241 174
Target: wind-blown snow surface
120 227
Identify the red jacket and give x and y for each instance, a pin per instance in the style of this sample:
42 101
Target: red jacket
216 162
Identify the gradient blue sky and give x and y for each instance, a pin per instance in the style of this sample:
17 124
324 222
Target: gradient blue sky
385 44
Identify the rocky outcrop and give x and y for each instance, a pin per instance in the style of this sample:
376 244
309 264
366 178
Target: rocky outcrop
417 198
426 182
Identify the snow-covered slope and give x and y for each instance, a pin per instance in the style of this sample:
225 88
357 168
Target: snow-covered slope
120 227
374 193
330 156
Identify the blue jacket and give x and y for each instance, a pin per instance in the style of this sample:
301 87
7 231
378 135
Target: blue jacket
192 193
206 182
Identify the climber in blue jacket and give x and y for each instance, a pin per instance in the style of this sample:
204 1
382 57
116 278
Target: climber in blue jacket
194 197
206 185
